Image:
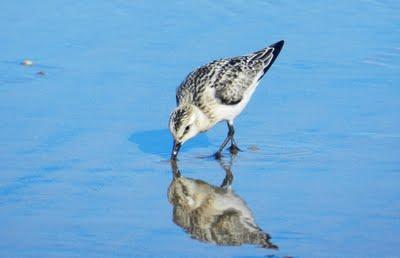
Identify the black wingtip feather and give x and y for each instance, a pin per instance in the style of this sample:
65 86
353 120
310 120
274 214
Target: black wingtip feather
277 47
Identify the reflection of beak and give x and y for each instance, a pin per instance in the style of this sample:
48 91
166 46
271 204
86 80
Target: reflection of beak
175 150
175 169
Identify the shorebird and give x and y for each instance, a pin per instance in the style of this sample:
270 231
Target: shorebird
218 91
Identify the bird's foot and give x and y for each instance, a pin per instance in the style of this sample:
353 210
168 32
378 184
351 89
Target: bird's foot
217 155
233 149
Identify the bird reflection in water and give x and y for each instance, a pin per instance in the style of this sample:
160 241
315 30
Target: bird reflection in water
214 214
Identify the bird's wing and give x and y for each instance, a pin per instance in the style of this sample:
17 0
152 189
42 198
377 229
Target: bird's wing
233 79
230 77
240 73
198 81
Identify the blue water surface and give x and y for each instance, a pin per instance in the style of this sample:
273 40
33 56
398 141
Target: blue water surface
84 148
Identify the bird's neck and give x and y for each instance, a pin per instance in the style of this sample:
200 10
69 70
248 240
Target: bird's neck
202 120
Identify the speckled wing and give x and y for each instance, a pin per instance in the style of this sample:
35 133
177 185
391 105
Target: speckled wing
241 73
230 77
197 82
234 78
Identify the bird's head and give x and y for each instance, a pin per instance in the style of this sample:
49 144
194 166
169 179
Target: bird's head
184 123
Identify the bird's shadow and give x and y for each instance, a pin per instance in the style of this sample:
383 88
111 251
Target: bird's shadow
159 142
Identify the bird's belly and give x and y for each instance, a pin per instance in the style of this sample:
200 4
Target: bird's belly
229 112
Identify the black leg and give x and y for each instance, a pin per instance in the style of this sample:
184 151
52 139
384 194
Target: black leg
229 137
233 149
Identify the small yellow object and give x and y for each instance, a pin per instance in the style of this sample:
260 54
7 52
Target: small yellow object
27 62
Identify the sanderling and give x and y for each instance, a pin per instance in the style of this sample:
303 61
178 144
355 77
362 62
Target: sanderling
218 91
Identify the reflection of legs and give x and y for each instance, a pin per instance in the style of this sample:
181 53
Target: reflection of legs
228 173
234 149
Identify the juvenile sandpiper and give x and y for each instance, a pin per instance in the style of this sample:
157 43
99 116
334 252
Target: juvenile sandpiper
218 91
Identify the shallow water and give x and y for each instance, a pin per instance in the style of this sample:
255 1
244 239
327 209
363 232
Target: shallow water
84 148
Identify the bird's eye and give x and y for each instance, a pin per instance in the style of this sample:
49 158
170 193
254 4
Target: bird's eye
187 128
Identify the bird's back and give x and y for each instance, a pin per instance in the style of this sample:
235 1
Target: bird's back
226 81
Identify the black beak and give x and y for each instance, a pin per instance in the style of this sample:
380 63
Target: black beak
175 150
